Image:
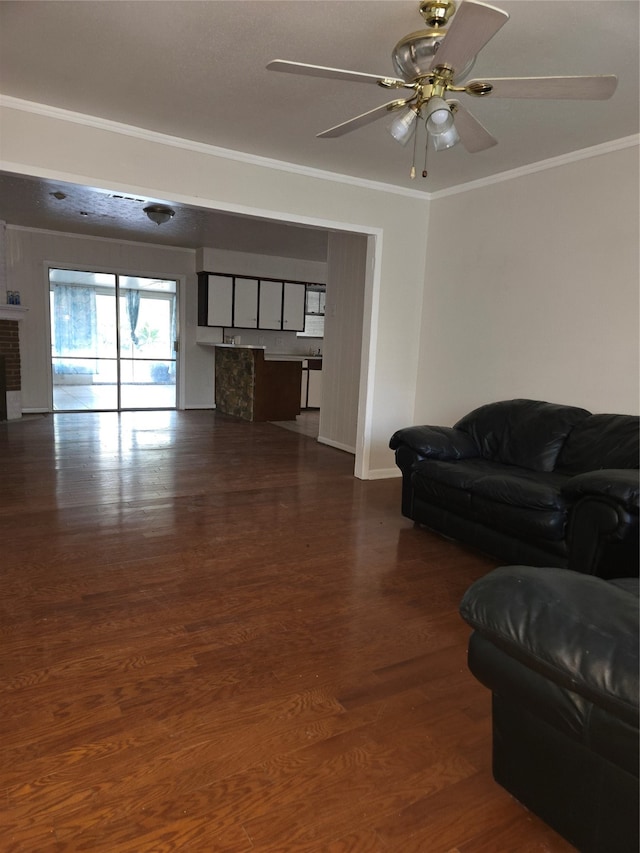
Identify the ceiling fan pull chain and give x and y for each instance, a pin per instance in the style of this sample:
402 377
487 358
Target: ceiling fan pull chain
412 173
426 148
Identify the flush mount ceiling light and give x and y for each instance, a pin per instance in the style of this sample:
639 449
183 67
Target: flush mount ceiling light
159 213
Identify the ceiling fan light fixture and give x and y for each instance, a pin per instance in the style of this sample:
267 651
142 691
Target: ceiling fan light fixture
403 125
447 139
438 116
159 213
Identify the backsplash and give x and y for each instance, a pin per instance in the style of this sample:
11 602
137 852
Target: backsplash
273 341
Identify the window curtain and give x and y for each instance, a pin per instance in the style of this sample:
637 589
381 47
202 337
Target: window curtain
75 320
133 309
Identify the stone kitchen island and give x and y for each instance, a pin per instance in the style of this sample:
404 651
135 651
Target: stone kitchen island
255 386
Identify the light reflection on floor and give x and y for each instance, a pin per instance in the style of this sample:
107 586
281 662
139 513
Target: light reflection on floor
73 398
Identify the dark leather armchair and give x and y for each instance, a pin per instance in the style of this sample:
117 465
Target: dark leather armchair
559 652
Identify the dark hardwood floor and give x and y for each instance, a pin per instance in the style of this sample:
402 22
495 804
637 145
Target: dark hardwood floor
215 638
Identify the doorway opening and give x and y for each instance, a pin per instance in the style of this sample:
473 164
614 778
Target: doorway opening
113 341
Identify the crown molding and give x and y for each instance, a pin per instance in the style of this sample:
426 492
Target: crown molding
98 123
541 166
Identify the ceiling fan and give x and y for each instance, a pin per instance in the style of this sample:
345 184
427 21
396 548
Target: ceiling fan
430 63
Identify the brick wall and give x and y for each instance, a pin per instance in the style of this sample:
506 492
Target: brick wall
10 348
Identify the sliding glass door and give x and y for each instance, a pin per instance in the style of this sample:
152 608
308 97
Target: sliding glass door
112 341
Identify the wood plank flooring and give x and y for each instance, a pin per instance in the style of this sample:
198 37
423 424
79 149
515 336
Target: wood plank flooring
215 638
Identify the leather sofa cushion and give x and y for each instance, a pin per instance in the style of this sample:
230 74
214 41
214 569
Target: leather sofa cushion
526 433
522 488
501 483
532 525
519 502
602 441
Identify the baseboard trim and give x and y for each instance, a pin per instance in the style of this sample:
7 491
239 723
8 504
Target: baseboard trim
337 445
384 473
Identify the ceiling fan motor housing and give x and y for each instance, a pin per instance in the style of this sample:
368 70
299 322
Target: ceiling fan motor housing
413 55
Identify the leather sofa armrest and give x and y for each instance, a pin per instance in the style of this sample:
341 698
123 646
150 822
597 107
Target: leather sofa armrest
620 485
579 632
435 442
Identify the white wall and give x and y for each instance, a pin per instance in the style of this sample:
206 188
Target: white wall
46 142
531 290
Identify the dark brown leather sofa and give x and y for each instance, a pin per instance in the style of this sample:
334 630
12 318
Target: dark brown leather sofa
529 482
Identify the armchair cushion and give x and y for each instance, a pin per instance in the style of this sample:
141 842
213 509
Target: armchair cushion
577 631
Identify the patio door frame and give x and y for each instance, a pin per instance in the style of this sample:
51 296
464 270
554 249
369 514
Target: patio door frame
180 295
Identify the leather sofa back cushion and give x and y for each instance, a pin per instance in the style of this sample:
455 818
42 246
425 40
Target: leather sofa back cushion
527 433
602 441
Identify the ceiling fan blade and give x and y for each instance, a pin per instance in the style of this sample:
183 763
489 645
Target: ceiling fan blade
471 28
362 119
587 88
473 135
332 73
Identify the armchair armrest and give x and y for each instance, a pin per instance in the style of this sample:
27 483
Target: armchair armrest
577 631
620 485
435 442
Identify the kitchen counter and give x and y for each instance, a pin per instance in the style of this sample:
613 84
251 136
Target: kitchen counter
268 356
256 387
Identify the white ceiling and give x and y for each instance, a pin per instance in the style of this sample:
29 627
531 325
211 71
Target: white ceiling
197 70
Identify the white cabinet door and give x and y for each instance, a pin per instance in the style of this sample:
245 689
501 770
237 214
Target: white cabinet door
245 303
270 305
220 302
293 310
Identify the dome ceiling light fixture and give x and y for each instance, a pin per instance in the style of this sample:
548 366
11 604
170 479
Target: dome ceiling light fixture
159 213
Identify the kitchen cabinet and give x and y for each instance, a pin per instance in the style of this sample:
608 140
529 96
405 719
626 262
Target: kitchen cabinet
245 303
219 300
293 307
270 305
242 302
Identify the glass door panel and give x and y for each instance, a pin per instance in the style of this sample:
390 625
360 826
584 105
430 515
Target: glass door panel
112 341
83 340
147 308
